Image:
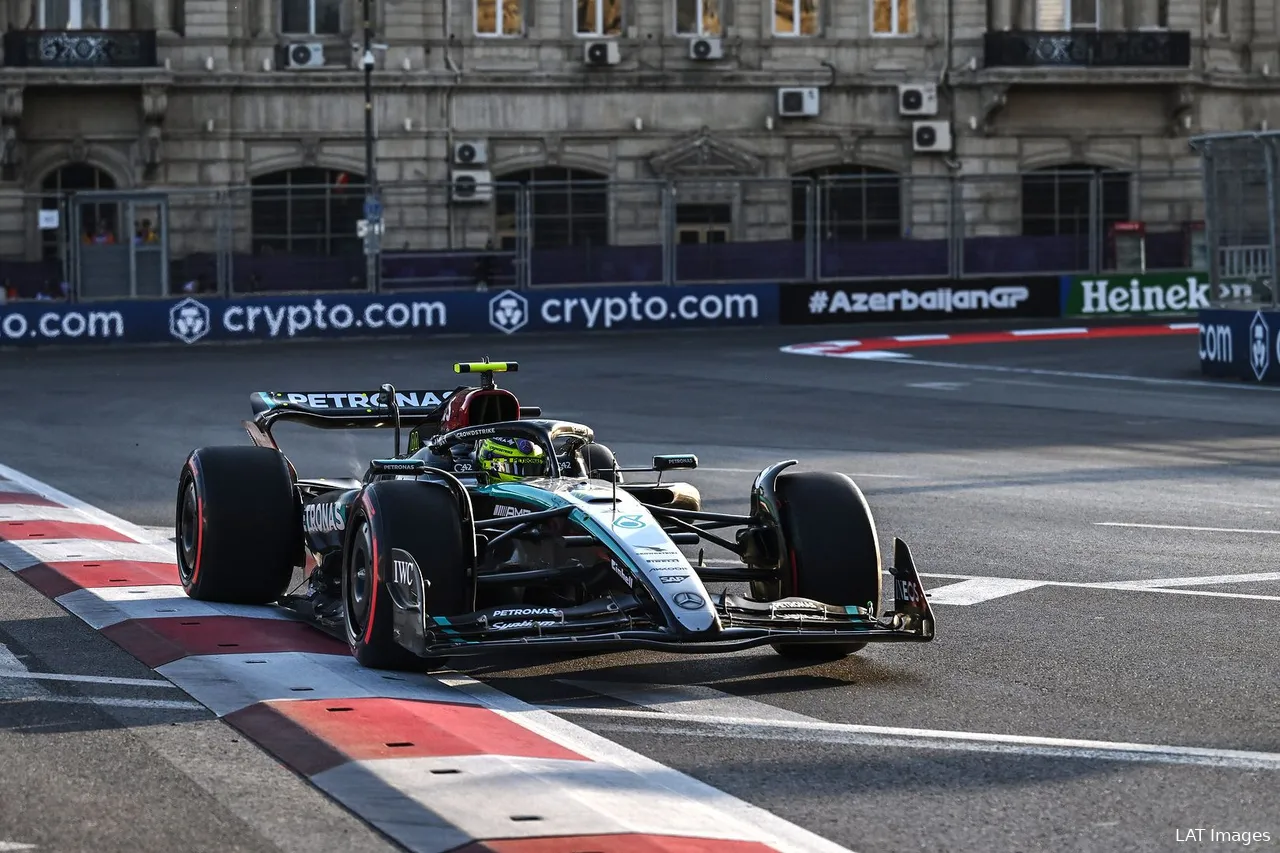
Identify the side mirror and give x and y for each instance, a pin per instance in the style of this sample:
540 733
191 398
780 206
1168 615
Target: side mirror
675 462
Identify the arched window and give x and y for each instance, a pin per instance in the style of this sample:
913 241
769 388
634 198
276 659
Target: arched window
60 183
1057 201
567 207
852 203
307 211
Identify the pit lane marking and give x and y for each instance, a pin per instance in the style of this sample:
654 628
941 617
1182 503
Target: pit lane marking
1169 586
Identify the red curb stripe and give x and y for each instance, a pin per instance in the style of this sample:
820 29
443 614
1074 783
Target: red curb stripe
314 735
159 641
20 531
27 498
98 574
622 843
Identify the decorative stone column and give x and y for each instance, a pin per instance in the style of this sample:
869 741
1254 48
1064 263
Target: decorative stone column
1147 14
266 18
1001 15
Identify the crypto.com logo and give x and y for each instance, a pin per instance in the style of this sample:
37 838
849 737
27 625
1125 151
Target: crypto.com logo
189 321
508 311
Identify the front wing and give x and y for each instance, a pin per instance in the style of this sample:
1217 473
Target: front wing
621 622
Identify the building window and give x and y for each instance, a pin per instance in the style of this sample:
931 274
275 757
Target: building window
1058 15
851 203
74 15
311 17
499 17
1215 17
698 18
795 17
703 223
599 18
893 17
565 207
1058 201
97 221
307 212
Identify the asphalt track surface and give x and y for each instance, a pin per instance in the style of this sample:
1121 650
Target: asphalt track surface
989 460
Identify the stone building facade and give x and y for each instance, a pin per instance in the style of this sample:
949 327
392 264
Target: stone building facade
199 99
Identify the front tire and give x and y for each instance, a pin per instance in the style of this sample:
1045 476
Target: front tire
238 525
833 551
421 518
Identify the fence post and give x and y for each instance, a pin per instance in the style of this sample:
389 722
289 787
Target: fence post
810 231
1268 153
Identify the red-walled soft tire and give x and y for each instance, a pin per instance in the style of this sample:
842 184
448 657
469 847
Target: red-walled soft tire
238 525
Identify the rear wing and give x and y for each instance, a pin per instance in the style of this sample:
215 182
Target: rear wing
342 410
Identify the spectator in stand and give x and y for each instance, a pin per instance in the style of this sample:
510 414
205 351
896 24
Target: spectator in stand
484 267
8 293
102 236
144 233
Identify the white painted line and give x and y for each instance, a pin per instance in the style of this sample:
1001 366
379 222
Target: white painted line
879 736
101 607
1185 527
686 699
24 675
7 846
17 556
117 702
227 683
978 590
649 774
29 512
1033 332
1072 374
938 386
906 338
1116 586
1201 580
875 355
1184 326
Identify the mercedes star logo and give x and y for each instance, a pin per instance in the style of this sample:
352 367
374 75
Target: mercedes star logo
688 600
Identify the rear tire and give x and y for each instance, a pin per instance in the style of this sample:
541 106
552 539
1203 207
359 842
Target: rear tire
833 551
423 519
600 461
238 525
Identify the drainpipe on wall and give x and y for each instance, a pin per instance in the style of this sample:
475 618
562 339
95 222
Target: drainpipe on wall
447 11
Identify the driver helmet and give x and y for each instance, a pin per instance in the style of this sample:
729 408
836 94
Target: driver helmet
511 459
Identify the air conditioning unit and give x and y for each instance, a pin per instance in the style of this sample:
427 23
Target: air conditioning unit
798 102
933 137
471 185
601 53
304 55
917 99
472 152
705 49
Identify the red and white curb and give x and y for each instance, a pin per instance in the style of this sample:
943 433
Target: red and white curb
436 763
889 347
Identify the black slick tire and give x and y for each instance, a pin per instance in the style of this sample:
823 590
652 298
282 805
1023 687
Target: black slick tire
421 518
600 462
238 525
833 551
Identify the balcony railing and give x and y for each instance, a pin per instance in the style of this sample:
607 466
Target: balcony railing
1086 49
80 49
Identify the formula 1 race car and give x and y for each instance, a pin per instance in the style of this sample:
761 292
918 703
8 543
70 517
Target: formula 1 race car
501 529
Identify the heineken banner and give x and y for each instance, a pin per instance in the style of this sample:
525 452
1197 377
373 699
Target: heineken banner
1131 294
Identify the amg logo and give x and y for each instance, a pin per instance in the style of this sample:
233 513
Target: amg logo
404 571
499 511
323 518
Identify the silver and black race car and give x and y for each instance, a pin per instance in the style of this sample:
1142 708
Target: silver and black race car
426 557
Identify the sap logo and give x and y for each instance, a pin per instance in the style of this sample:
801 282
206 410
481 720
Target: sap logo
404 571
672 578
509 511
323 518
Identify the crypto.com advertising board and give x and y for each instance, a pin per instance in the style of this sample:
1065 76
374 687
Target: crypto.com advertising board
199 320
1240 344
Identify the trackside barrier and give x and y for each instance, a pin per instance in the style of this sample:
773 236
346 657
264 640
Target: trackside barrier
360 315
1237 344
